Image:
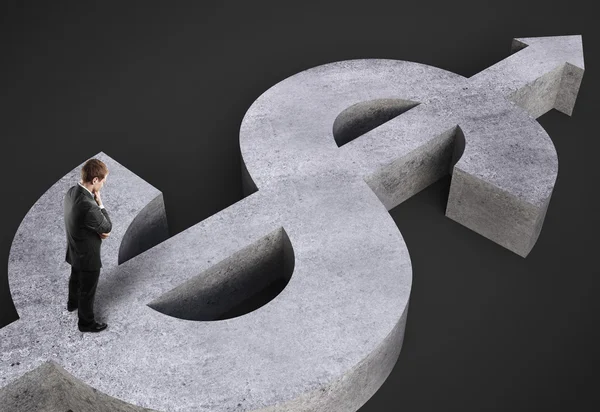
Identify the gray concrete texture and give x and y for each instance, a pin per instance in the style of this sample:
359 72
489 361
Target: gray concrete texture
326 153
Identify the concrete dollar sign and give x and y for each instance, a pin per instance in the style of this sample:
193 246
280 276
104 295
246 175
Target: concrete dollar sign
326 153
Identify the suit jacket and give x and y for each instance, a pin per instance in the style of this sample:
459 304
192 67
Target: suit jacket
84 221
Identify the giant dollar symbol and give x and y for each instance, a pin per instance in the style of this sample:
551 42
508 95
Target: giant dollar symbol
316 222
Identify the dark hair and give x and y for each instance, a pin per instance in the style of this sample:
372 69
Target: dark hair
93 168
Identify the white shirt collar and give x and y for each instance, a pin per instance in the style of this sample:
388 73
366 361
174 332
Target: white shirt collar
79 183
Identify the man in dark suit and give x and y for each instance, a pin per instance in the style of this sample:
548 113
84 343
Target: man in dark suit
86 223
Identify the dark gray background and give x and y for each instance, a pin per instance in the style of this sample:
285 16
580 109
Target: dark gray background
163 89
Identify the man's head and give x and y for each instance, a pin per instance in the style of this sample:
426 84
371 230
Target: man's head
93 174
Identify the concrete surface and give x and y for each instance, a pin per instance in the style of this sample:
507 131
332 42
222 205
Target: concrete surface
315 223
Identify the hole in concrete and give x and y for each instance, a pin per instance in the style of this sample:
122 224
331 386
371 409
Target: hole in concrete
362 117
148 229
244 282
406 176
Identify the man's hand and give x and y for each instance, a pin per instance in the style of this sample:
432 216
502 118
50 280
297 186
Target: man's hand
103 235
97 197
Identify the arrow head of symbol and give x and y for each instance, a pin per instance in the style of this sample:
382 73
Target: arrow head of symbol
543 73
564 52
567 49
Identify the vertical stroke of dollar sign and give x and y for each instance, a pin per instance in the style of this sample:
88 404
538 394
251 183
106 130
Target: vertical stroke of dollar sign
326 153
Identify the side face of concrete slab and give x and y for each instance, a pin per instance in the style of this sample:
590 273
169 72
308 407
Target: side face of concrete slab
326 153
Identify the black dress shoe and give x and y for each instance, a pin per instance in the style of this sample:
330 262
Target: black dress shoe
94 327
71 308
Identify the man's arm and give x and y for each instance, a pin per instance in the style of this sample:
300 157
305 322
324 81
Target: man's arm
97 219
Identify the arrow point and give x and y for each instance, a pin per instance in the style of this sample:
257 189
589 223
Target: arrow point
569 48
566 51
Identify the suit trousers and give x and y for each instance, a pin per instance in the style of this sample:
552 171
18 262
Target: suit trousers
82 291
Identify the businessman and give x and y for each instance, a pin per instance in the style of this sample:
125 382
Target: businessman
86 223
